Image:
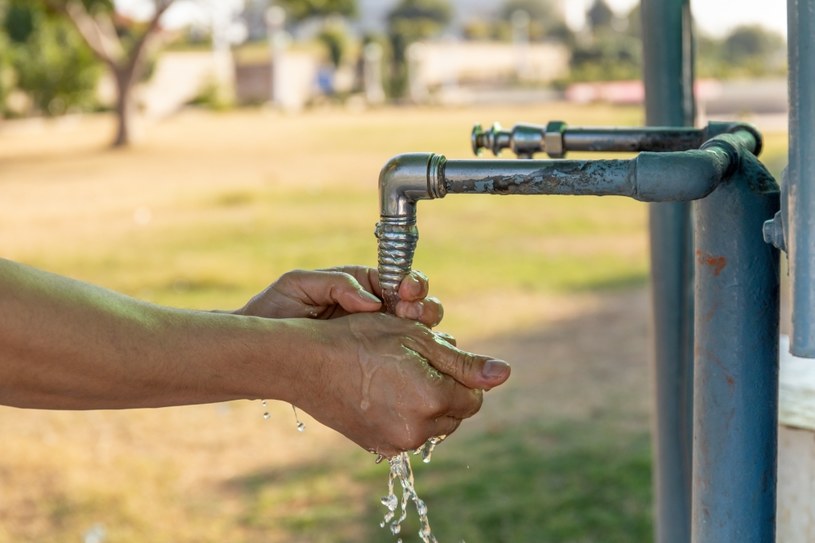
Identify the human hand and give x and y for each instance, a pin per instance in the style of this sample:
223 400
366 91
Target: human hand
337 292
389 384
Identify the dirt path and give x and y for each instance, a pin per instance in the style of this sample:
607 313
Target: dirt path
587 356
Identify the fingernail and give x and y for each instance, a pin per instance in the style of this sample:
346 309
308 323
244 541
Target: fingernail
415 279
414 311
494 368
367 296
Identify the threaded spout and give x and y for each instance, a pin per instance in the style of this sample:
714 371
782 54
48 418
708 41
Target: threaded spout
397 244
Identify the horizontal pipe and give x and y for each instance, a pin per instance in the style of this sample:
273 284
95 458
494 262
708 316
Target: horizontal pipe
650 177
632 139
556 139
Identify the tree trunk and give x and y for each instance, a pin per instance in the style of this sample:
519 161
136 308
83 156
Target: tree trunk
124 84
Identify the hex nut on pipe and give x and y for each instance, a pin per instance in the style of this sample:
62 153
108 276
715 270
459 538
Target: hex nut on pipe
553 139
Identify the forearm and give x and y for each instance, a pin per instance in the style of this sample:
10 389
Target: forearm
69 345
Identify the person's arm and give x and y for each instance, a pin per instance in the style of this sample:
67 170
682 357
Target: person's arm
65 344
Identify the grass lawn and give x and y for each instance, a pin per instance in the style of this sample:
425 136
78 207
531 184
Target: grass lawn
209 208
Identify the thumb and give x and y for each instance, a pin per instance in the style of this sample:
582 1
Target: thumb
469 369
342 289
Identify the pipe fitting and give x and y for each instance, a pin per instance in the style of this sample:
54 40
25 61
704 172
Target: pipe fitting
408 178
773 231
403 181
553 139
679 177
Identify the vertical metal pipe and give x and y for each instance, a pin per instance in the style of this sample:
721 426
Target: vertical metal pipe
801 175
668 75
736 374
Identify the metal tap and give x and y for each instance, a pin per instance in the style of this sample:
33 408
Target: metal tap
649 177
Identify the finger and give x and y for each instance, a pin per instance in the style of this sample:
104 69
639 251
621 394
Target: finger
324 288
444 426
366 276
414 286
428 311
469 369
464 402
444 336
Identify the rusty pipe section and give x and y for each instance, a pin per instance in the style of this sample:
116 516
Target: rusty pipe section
650 177
556 138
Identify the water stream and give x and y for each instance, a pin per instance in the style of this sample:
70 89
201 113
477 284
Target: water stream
402 471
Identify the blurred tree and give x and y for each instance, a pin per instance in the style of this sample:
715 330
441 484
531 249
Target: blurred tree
335 40
599 16
615 50
537 9
750 45
747 51
122 48
299 10
410 21
5 63
546 21
6 74
51 64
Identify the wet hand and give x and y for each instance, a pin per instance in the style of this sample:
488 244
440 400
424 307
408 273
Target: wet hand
337 292
389 384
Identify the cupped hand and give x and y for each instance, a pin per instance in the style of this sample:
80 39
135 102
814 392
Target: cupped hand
389 384
337 292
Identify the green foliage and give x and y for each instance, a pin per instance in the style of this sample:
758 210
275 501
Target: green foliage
599 16
6 73
408 22
610 57
300 10
546 23
748 51
18 22
51 63
414 20
614 51
335 40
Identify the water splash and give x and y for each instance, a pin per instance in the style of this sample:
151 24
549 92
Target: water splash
426 450
300 426
402 471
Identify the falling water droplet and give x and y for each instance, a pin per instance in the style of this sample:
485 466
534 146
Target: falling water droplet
301 427
265 405
426 450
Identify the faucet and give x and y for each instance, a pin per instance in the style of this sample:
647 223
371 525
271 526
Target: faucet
683 175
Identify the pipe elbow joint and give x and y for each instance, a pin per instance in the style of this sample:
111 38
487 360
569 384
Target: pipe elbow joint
681 176
408 178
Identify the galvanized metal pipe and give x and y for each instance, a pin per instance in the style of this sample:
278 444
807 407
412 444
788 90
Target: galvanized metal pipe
556 139
736 372
649 177
633 139
668 76
801 175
